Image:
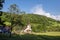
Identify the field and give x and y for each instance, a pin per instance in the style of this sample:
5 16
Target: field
49 33
34 36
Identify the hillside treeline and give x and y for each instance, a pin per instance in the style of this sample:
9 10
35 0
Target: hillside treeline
38 23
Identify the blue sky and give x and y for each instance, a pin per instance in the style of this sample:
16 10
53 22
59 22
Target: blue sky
48 6
52 6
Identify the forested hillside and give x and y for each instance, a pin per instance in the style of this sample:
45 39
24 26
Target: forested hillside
38 23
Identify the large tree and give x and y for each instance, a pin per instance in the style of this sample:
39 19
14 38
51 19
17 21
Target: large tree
13 10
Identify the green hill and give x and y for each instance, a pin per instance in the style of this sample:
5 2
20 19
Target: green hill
38 23
42 23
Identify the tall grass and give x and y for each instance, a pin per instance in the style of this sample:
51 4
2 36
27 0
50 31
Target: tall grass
28 37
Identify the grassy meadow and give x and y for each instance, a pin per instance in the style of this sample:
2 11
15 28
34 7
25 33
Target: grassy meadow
33 36
49 33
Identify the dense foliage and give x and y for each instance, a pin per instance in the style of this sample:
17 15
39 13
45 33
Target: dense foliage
38 23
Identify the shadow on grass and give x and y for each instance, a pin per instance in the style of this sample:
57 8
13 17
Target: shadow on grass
28 37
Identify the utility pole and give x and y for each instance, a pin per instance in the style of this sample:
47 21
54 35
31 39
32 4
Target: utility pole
1 6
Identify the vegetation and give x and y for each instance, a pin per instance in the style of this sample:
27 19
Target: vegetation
29 37
39 23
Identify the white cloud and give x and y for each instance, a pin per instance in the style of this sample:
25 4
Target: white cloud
40 11
58 17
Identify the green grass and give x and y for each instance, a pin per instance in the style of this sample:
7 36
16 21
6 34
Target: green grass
40 36
49 33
